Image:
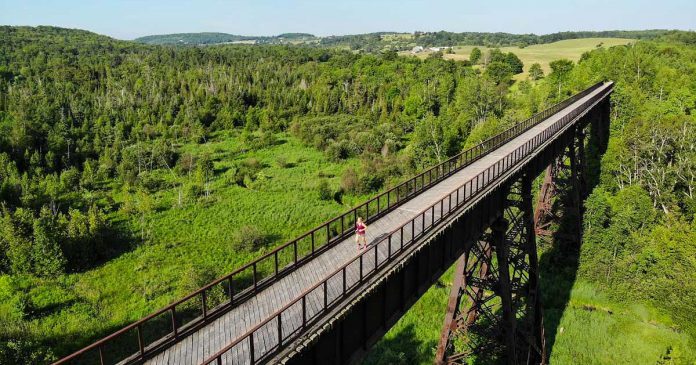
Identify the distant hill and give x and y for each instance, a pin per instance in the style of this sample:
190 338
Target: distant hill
218 38
403 41
381 41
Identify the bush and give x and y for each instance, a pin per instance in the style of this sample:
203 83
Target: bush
250 238
324 190
370 183
337 151
349 181
282 162
151 182
245 173
19 350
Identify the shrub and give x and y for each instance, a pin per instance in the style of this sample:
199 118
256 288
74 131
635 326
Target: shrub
370 183
324 190
246 172
250 238
349 181
282 162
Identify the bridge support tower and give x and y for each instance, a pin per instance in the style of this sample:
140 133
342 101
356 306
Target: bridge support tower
494 306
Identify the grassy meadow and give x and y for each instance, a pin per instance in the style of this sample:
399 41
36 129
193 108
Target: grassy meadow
592 330
188 245
543 54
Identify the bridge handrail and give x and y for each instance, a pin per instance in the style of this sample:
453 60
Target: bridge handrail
330 235
475 185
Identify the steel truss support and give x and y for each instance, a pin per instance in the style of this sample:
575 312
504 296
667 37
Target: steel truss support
494 308
562 189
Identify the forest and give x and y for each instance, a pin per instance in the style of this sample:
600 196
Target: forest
107 147
380 41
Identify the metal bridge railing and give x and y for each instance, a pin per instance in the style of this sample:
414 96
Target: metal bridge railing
256 344
170 323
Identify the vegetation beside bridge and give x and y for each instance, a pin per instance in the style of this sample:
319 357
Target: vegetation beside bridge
131 174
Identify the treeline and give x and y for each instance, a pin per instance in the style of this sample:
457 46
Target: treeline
206 38
375 42
443 38
85 119
380 41
640 221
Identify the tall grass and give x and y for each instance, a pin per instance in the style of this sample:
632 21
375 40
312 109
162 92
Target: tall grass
592 330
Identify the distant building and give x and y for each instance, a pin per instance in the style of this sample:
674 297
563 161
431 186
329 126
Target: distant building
417 49
438 49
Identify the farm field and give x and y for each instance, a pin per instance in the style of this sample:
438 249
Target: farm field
543 54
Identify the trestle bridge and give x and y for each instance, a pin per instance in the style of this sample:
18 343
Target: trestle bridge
317 300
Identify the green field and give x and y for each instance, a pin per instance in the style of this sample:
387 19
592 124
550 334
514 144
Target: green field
543 54
592 330
282 202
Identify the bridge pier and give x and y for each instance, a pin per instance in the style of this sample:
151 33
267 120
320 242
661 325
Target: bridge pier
494 305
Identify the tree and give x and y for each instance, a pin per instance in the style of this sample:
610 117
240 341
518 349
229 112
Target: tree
475 55
535 72
434 138
48 259
516 65
559 72
499 72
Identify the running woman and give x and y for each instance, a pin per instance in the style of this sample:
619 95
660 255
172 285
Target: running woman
360 228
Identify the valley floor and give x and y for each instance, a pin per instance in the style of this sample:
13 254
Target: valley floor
592 330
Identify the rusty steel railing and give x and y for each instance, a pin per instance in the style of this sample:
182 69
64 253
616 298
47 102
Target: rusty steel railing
170 323
267 337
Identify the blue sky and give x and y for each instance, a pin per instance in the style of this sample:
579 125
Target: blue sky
128 19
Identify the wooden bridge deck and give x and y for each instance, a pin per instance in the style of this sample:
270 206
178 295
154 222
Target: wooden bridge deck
211 338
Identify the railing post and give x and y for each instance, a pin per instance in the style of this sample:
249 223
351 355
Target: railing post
254 276
251 348
344 280
361 267
413 230
231 288
204 302
101 356
141 347
295 251
389 253
275 254
172 313
376 257
401 237
280 329
304 311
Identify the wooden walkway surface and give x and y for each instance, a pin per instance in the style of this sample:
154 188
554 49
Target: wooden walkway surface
211 338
